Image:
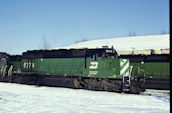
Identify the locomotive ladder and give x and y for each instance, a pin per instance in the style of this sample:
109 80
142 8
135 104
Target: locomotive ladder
126 81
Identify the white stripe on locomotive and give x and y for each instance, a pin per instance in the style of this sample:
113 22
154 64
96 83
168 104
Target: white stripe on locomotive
124 70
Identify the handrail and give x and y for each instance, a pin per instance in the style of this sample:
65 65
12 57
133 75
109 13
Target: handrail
10 70
4 71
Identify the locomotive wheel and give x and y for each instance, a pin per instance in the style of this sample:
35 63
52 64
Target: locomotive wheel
89 87
77 83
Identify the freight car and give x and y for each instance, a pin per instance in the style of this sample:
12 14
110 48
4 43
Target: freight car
155 67
93 69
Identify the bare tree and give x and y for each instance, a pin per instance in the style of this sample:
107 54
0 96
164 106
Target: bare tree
46 44
130 33
83 40
133 33
163 31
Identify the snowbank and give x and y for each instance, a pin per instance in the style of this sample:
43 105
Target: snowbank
155 42
16 98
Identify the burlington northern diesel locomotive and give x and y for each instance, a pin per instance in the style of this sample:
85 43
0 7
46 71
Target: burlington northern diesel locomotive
155 67
93 69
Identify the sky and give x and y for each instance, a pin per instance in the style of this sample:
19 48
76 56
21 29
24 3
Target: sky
39 24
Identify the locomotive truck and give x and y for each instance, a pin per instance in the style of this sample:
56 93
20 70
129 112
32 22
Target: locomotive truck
93 69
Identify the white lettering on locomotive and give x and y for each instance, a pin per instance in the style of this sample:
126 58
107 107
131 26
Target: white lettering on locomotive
109 51
28 65
93 72
93 65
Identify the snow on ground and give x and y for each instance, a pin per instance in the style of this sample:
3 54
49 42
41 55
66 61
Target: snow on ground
17 98
155 42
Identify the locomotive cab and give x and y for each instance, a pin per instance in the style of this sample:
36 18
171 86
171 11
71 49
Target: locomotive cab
109 66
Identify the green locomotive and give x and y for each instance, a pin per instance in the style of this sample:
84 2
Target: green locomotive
94 69
155 67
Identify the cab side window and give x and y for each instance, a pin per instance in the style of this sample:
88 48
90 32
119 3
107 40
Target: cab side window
94 57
